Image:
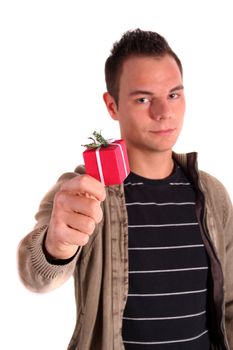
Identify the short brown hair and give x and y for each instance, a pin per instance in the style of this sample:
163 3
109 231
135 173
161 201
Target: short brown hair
134 43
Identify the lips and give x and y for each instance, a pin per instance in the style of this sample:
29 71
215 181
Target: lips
162 131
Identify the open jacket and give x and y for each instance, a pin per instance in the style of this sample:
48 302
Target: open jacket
100 268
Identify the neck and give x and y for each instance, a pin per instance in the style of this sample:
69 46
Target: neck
154 165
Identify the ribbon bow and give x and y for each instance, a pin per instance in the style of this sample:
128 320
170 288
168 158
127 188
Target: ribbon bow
98 141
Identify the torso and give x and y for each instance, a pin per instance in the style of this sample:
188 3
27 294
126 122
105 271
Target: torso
168 266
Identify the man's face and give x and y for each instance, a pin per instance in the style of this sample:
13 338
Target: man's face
151 103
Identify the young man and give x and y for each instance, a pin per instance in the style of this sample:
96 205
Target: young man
152 258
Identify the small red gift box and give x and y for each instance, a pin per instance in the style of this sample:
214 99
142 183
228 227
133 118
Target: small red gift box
108 164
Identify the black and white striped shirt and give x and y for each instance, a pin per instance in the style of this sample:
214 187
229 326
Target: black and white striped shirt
168 267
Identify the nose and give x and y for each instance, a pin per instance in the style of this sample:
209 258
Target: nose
160 109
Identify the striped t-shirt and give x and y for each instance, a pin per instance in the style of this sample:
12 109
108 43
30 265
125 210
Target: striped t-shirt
166 307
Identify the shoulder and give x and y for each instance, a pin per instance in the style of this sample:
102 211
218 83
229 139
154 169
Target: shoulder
216 196
212 185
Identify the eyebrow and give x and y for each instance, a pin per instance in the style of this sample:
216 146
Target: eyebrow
145 92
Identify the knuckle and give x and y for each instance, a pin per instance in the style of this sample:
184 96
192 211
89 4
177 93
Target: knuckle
103 193
95 211
98 215
83 240
90 226
82 180
59 198
93 207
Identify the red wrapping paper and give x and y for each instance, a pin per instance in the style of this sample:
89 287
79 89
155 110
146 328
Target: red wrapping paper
108 164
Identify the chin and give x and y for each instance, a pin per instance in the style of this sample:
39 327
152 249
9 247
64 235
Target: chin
162 147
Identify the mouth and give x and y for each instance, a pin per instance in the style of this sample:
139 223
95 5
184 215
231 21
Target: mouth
162 131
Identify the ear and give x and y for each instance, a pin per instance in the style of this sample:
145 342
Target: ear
111 105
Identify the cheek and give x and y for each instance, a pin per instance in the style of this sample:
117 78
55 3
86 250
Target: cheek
180 113
130 128
182 108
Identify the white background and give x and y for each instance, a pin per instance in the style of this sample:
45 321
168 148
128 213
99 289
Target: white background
51 84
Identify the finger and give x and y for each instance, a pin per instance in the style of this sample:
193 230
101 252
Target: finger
73 237
70 202
81 223
85 184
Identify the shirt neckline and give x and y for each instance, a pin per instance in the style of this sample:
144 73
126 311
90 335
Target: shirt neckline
135 178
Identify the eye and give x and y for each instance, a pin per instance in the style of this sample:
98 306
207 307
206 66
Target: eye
142 100
173 95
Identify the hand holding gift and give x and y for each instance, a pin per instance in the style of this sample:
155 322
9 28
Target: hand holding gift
106 160
76 211
76 208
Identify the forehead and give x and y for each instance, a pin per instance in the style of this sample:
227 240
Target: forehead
151 71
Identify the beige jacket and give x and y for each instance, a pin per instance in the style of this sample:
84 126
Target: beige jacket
100 268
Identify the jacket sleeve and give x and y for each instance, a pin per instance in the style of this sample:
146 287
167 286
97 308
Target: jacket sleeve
36 273
228 269
222 225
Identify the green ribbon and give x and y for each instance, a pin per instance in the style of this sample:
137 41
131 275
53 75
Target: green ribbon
97 141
